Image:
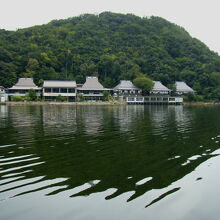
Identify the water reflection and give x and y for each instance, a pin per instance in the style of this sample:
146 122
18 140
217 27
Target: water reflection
58 120
183 118
89 149
3 115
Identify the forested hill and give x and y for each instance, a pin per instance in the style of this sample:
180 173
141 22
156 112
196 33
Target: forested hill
111 46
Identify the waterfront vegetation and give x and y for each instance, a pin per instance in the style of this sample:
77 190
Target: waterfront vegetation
111 46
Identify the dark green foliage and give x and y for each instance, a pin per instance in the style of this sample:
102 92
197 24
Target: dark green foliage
107 96
32 95
192 97
17 98
61 98
80 98
111 46
144 83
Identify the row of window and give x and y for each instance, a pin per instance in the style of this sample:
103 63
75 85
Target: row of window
90 92
129 91
59 90
150 99
55 98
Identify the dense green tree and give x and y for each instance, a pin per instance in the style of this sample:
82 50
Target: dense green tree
32 95
7 74
144 83
111 46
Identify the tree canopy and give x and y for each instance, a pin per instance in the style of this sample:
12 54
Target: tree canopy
111 46
144 83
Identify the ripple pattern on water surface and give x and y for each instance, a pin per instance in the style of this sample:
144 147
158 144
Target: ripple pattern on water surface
82 150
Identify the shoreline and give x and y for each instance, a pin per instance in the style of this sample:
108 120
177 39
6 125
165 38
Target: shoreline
62 103
200 103
99 103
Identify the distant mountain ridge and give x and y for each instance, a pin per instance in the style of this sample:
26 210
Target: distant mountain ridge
111 46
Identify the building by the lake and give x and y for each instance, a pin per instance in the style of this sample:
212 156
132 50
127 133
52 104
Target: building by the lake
3 95
92 89
57 90
182 88
159 89
159 94
126 87
22 88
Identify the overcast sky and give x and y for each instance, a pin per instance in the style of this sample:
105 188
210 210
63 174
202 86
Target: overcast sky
200 18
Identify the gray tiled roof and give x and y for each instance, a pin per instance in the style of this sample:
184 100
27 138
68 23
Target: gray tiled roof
158 86
24 84
183 87
92 83
59 84
125 84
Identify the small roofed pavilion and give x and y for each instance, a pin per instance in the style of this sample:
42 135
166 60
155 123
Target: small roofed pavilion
22 87
92 89
159 88
182 88
126 87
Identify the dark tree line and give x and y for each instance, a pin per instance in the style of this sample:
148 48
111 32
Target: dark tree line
111 46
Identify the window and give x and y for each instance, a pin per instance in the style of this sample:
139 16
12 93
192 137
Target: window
146 99
63 90
56 90
96 92
47 90
130 99
171 99
153 99
71 90
139 99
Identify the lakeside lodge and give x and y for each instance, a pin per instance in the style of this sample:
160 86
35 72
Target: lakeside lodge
93 90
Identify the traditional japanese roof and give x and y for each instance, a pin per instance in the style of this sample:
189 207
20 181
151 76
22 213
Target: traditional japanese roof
59 84
183 87
158 86
126 85
92 83
25 84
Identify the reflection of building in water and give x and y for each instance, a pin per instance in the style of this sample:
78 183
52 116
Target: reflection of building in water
25 119
92 118
58 120
3 115
126 116
183 118
163 116
160 116
3 111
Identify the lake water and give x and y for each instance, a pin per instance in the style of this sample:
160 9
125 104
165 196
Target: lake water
109 162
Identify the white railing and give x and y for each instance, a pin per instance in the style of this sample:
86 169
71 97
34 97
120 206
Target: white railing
154 99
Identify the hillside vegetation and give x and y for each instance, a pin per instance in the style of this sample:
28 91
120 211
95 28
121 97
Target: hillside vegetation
111 46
